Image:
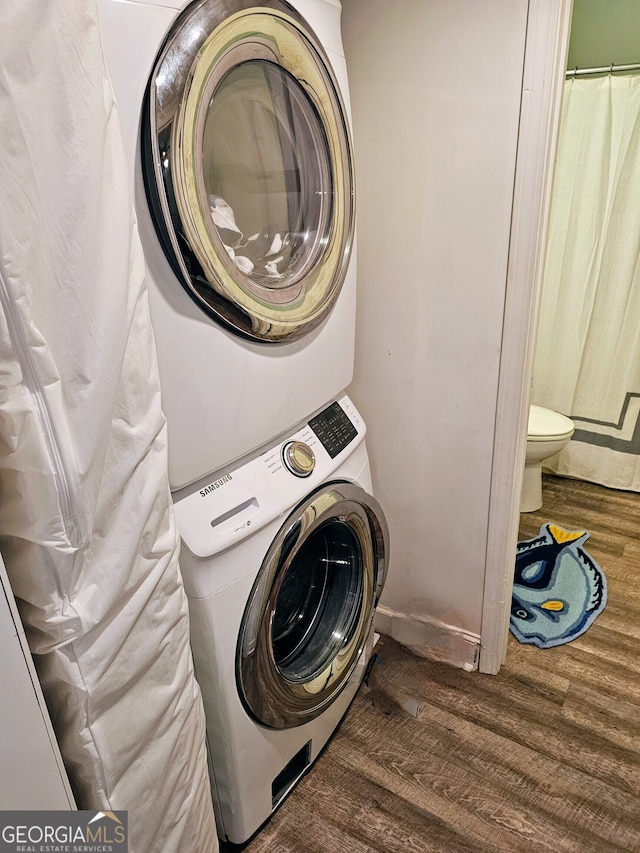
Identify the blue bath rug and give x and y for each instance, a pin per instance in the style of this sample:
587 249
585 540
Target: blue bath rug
558 590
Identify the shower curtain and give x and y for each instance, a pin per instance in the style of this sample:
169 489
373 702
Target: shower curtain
587 362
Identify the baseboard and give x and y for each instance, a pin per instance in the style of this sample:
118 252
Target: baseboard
429 638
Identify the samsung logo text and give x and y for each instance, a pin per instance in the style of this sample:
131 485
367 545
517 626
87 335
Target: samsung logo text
215 485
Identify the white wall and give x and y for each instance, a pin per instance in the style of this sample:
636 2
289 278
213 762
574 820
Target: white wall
435 93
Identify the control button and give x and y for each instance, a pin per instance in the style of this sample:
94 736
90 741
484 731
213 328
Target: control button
334 428
298 458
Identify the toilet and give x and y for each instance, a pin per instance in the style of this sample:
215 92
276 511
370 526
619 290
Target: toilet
547 434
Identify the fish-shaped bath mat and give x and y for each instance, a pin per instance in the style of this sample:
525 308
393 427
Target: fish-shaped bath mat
558 589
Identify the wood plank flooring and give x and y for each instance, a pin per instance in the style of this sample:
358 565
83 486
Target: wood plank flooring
543 757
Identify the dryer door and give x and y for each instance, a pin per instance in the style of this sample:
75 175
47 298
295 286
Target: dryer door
248 167
312 606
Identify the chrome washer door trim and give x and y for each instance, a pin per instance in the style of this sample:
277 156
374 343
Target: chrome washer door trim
268 57
277 690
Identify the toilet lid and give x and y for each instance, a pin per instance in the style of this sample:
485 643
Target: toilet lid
546 424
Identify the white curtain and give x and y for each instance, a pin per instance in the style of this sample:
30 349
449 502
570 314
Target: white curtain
87 529
587 362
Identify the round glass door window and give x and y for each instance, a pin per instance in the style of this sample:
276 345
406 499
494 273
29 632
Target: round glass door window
266 175
317 606
248 168
312 605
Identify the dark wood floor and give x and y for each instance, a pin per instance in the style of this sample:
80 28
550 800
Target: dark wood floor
543 757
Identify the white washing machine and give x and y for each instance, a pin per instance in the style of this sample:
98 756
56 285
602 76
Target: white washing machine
235 119
284 559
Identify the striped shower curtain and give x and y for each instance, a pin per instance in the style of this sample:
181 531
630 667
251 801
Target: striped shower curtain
587 362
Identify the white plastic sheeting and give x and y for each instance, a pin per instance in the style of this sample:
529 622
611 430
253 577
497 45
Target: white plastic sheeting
86 522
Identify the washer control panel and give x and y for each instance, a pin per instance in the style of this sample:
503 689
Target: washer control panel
237 502
298 458
334 429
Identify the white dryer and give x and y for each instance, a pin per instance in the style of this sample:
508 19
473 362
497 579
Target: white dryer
284 559
235 119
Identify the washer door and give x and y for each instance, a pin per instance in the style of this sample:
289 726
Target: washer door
248 167
312 605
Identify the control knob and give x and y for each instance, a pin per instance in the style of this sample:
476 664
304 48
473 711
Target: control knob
298 458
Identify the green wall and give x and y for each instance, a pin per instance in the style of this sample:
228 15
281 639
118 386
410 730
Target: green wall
604 31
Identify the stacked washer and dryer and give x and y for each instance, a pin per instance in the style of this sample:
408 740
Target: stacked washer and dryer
235 119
